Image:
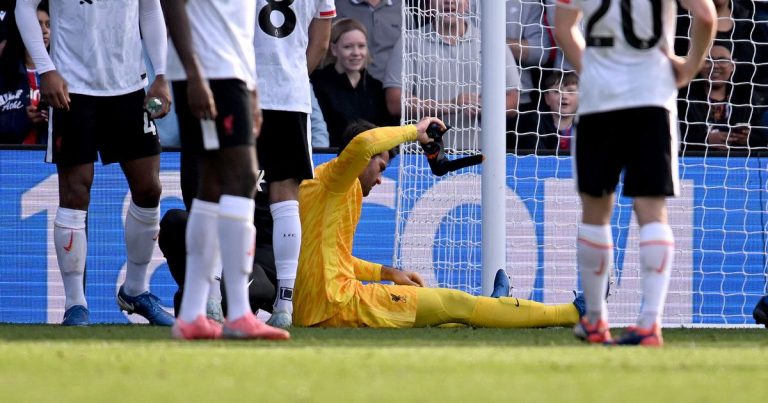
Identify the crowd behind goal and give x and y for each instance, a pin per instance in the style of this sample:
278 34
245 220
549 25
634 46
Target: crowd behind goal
724 108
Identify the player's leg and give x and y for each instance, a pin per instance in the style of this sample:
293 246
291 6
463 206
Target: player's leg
284 154
594 255
657 248
127 135
237 233
201 242
438 306
189 186
72 148
230 170
597 174
70 240
650 177
286 244
170 240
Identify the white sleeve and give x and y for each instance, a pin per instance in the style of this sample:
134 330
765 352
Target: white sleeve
154 33
326 9
29 28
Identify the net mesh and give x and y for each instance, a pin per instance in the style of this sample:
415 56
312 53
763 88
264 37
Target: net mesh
719 218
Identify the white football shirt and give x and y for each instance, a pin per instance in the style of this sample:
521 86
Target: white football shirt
96 46
281 44
222 34
623 65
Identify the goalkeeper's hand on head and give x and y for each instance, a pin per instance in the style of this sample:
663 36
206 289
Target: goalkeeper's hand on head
422 127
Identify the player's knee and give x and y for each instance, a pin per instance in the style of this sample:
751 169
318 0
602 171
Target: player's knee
172 232
148 195
458 304
76 197
240 182
284 190
171 241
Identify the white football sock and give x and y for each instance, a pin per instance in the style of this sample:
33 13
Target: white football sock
286 242
71 246
237 235
202 242
594 251
141 228
215 293
657 250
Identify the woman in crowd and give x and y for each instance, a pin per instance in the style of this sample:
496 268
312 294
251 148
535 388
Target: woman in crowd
344 89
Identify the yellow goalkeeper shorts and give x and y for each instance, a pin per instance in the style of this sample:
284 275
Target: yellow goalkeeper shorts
377 305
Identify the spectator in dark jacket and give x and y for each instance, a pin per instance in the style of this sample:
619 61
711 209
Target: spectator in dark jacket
344 89
551 127
716 113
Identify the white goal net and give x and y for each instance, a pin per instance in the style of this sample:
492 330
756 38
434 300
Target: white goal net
719 219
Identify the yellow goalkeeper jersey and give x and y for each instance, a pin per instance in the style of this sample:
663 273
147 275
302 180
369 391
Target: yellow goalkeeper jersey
328 275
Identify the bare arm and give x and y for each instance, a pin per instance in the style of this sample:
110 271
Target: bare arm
53 87
199 95
568 36
703 27
319 40
156 42
392 96
512 102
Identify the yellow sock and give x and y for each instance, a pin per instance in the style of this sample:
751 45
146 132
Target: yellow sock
438 306
521 313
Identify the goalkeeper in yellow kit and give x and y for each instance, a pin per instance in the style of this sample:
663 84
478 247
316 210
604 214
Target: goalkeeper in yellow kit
329 290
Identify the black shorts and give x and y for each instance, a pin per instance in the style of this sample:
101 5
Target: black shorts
117 128
642 142
283 146
233 123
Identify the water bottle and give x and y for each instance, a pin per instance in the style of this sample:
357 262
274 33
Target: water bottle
154 106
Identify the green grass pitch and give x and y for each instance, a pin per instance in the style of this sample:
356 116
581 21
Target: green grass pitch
42 363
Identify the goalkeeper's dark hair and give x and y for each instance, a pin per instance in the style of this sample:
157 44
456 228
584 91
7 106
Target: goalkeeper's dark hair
356 127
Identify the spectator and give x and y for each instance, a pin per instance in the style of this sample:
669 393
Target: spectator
714 112
525 37
449 54
747 42
552 128
382 20
22 120
344 89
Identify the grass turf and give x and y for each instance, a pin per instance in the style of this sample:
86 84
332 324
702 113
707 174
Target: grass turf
40 363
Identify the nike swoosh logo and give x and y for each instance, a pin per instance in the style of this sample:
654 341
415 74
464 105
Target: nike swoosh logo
663 263
71 237
601 269
517 302
125 305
